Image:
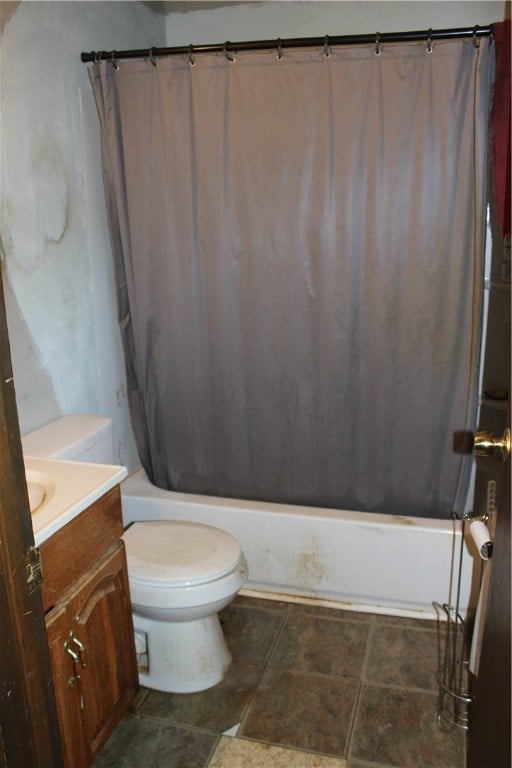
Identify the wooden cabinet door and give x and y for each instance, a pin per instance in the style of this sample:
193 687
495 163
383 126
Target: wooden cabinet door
102 621
67 690
94 619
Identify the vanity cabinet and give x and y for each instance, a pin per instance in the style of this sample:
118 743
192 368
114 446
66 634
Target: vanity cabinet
89 627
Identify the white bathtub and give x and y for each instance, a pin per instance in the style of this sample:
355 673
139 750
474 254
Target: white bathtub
354 560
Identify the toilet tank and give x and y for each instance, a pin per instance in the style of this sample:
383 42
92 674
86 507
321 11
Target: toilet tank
80 437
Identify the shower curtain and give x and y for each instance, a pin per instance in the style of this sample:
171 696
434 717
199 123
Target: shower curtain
298 245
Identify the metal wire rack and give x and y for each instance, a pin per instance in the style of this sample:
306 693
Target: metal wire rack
454 677
455 698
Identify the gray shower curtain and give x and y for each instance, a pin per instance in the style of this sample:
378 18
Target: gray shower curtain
298 247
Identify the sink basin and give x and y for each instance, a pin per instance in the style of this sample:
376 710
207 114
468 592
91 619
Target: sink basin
40 488
59 490
36 494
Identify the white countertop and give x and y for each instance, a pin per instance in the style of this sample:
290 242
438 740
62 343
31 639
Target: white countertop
63 489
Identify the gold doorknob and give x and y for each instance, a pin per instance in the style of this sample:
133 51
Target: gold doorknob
487 444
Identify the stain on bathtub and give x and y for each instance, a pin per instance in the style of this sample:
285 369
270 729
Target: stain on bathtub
403 520
311 564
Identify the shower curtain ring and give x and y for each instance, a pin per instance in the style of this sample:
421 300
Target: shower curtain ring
113 60
327 47
476 41
378 46
279 49
429 48
191 58
152 57
229 56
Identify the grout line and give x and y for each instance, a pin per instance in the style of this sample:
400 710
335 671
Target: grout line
279 631
178 725
355 763
362 678
264 667
346 619
209 758
416 627
369 645
405 688
353 720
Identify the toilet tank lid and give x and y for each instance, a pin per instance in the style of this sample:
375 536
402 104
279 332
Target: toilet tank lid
67 436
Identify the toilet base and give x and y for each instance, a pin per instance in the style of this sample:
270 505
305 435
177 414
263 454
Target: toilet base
183 657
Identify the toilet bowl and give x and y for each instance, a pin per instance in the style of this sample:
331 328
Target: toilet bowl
180 574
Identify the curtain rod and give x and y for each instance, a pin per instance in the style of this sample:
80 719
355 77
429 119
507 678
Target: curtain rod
292 42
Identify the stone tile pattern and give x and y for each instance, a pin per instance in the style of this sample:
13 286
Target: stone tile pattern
310 687
242 753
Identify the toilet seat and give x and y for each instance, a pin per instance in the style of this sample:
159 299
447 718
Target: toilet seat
167 554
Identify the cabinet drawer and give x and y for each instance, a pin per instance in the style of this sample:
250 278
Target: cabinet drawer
70 552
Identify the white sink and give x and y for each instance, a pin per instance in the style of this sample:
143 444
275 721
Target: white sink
40 488
36 494
59 490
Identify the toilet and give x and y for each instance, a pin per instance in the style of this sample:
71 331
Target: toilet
181 574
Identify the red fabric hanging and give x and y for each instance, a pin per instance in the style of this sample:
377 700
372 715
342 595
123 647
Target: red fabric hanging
500 122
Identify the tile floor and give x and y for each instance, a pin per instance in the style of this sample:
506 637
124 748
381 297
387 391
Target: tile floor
310 687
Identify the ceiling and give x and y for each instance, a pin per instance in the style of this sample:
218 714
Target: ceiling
186 6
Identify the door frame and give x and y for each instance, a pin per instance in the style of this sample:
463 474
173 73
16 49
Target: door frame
29 730
489 736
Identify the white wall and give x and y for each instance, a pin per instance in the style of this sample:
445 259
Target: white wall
286 18
56 252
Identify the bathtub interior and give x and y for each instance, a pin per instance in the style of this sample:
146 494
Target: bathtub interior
360 561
